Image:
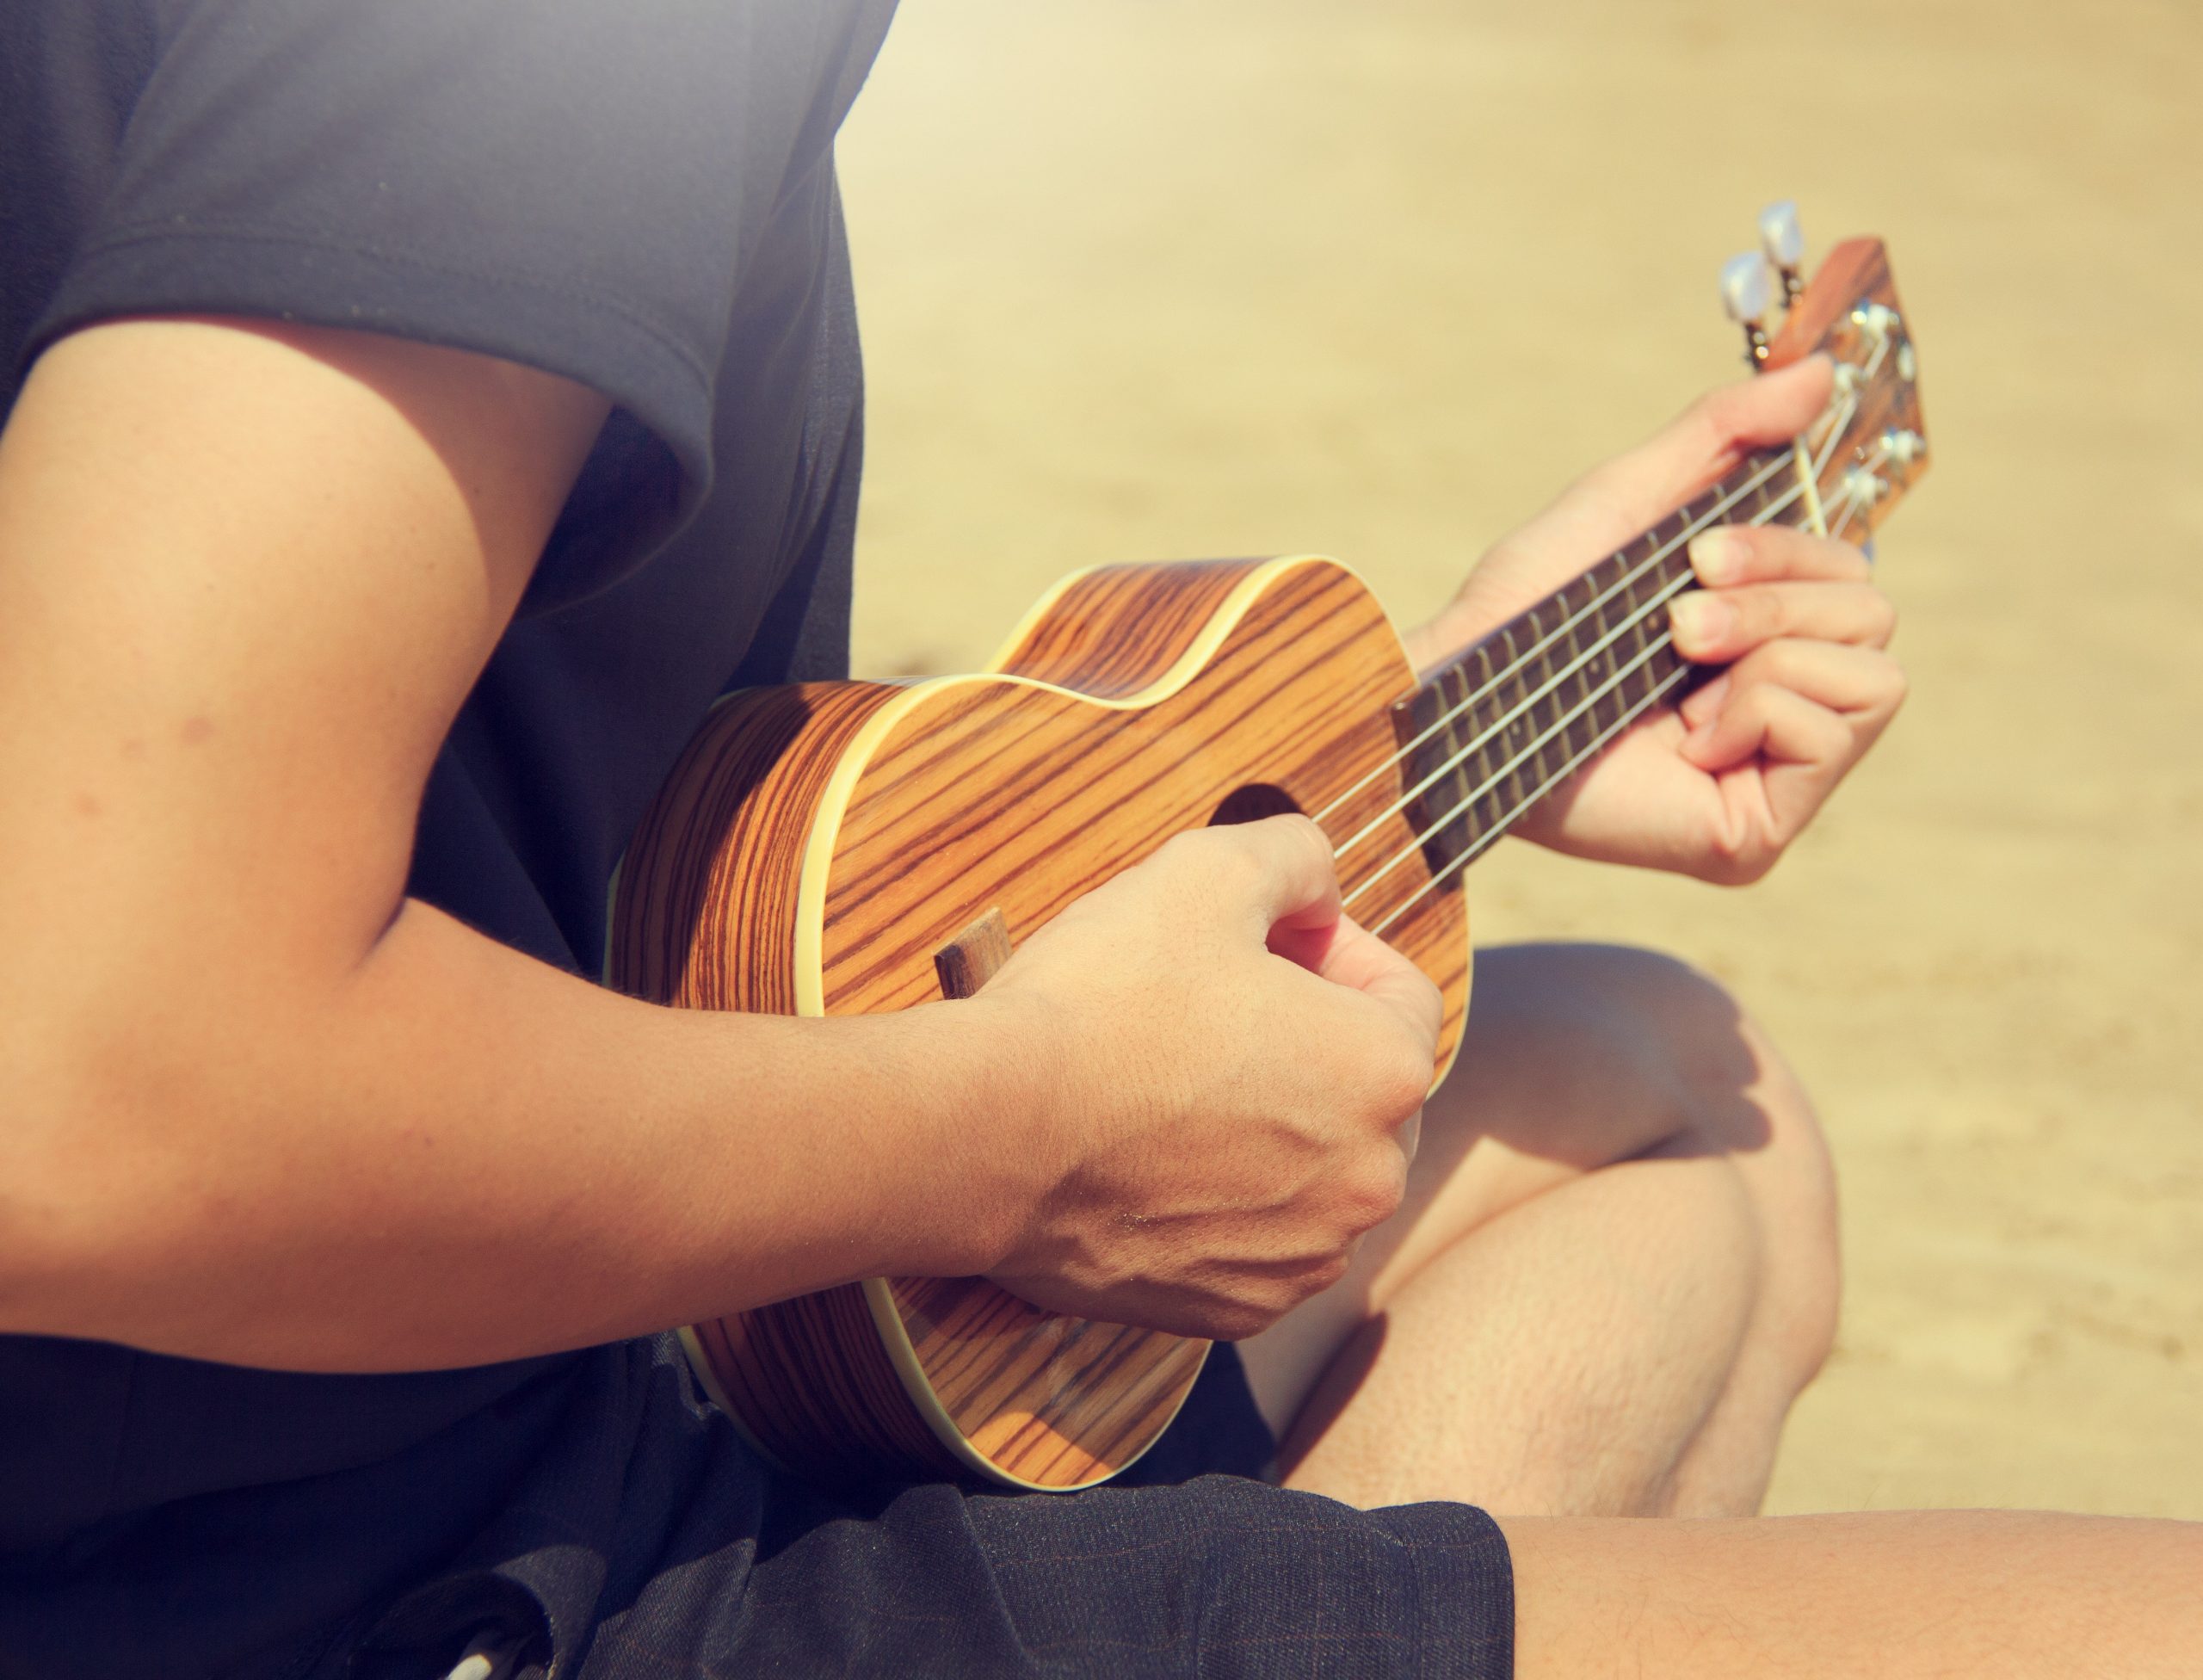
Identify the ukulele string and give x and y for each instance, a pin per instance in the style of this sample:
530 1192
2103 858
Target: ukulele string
1839 420
1659 691
1526 754
1526 702
1660 641
1773 464
1484 841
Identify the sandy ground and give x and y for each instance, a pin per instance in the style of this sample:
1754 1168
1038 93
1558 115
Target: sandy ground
1146 279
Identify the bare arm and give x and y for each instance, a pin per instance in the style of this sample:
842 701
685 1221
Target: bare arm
262 1108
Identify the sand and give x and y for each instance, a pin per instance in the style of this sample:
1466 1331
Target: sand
1143 280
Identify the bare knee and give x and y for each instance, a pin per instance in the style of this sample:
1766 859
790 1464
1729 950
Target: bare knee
1752 1108
1706 1080
1793 1181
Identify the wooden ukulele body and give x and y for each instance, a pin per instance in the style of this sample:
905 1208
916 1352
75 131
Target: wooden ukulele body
818 844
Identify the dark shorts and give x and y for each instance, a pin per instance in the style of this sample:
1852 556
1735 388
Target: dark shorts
1189 1565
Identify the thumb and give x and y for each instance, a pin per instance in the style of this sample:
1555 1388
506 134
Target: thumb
1711 436
1772 407
1276 871
1347 954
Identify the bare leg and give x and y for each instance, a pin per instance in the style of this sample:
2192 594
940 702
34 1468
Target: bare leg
1871 1597
1615 1270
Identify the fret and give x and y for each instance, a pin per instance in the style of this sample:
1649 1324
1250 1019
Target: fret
1531 712
1620 620
1540 716
1594 663
1525 704
1461 782
1592 666
1508 737
1485 761
1634 595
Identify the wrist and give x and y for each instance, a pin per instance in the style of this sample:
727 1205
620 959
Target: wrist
999 1070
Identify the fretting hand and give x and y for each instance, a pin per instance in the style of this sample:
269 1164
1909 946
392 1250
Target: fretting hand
1720 788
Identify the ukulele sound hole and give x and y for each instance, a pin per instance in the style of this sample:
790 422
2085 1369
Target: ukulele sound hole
1253 802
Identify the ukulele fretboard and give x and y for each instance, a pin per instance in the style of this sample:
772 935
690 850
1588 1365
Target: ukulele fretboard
1493 731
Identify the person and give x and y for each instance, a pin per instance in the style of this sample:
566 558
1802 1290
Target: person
419 414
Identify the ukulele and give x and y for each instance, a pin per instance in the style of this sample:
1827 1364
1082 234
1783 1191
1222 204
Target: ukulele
845 848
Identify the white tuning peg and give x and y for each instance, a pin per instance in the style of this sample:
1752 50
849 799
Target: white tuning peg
1748 292
1784 241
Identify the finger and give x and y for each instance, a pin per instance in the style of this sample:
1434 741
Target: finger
1762 553
1272 873
1700 704
1718 627
1713 436
1346 953
1779 725
1353 956
1859 680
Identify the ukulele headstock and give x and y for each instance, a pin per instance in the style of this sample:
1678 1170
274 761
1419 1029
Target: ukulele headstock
1870 444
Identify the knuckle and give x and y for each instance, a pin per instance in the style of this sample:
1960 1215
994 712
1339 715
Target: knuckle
1732 860
1303 835
1430 1003
1396 1079
1718 413
1307 1279
1899 684
1410 1082
1185 850
1761 611
1240 1319
1282 1293
1779 662
1375 1193
1205 859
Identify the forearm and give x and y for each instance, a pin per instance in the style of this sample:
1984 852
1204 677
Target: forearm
453 1153
253 1105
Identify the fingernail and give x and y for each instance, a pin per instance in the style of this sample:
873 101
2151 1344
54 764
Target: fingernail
1700 620
1718 557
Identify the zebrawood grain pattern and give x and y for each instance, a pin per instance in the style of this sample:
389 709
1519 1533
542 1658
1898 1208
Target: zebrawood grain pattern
687 928
1112 630
1053 793
818 847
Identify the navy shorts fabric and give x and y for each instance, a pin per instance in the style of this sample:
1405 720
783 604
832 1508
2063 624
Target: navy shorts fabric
1189 1566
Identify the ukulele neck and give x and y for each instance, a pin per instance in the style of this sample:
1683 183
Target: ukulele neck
1505 721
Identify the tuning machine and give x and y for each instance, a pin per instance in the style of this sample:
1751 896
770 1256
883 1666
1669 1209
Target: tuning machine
1784 241
1747 293
1748 280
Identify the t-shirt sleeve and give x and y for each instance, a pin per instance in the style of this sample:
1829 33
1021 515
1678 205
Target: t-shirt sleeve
572 184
